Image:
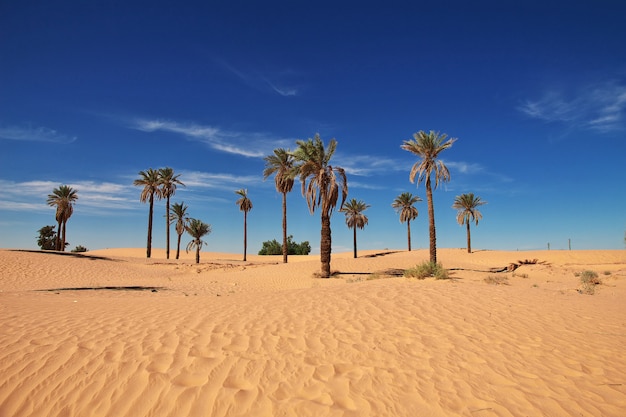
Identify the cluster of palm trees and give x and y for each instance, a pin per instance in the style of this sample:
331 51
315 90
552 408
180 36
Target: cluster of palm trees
322 183
63 198
162 183
158 183
323 187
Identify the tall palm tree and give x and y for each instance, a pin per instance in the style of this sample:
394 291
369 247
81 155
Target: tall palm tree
63 198
245 205
353 210
168 182
428 146
281 164
178 215
467 204
321 184
150 181
404 205
197 229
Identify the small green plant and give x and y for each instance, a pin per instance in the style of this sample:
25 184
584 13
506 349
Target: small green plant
427 269
588 281
79 248
497 280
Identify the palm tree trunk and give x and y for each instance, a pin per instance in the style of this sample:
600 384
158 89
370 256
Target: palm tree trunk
149 244
325 245
431 222
245 234
63 239
285 248
198 253
354 241
167 223
469 240
178 246
408 233
57 242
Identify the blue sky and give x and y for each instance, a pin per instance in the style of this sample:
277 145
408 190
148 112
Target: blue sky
93 92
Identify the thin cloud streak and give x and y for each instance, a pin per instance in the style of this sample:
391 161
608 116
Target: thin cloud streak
262 82
601 108
34 134
366 165
32 195
250 145
219 180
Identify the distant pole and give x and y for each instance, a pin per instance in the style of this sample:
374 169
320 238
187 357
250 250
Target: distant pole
569 243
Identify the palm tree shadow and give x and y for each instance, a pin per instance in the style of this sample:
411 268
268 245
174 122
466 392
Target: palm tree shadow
72 254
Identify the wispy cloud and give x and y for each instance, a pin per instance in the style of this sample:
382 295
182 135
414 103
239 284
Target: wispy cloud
275 81
95 196
34 134
219 180
365 165
248 144
601 107
465 167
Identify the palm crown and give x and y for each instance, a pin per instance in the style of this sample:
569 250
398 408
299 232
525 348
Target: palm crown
467 204
404 205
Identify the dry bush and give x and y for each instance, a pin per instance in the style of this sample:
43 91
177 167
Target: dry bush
497 280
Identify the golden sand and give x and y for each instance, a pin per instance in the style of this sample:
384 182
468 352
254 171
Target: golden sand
263 338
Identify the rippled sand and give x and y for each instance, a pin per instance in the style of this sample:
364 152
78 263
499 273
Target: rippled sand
262 338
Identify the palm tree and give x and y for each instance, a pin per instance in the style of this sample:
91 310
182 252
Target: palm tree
178 215
281 164
467 204
168 182
321 183
150 181
353 210
63 198
428 146
197 229
404 205
245 205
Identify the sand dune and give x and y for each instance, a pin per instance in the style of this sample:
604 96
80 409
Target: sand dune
263 338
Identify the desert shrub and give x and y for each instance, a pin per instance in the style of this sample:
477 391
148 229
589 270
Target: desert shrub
427 269
589 277
588 281
607 272
79 248
497 280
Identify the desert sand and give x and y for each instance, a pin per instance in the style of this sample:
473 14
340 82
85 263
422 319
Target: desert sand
157 337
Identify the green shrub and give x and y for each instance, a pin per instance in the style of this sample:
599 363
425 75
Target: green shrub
427 269
79 248
273 247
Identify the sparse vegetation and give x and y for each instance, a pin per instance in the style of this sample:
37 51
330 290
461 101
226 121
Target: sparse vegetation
80 248
588 280
426 270
607 273
497 280
520 275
